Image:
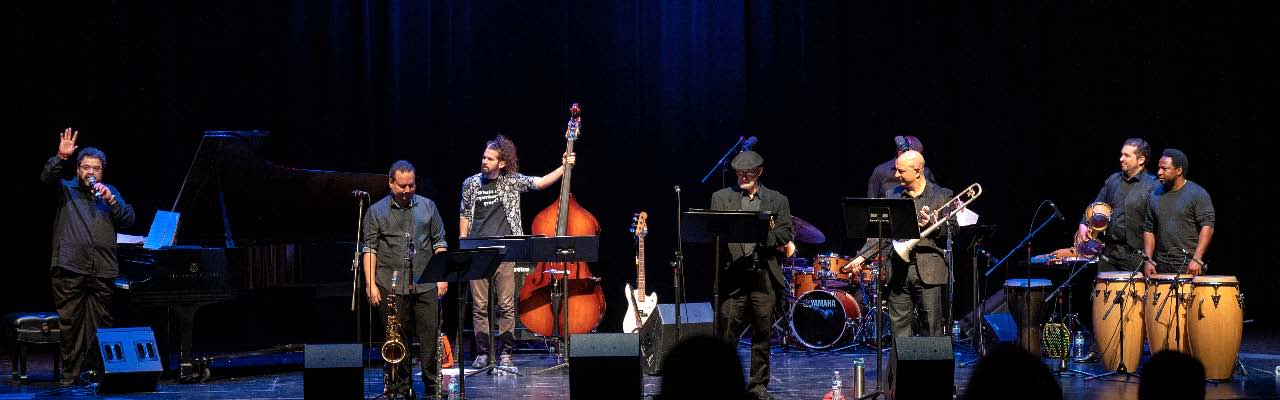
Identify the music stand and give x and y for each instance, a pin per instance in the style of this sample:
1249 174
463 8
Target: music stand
716 227
517 250
562 249
883 219
461 266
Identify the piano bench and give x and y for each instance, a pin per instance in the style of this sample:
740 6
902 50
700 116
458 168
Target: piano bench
33 328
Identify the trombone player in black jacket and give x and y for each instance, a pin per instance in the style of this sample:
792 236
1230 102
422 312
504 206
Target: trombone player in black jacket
916 284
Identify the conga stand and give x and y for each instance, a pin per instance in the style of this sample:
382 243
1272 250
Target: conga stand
1121 369
461 267
884 219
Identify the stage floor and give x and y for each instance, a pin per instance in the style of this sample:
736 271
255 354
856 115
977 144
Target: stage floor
796 375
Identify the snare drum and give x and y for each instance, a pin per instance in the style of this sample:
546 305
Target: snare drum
1111 290
1164 315
1215 323
823 318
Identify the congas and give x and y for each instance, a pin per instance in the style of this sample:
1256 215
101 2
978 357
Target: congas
1026 304
830 270
1215 321
1117 311
1164 314
823 318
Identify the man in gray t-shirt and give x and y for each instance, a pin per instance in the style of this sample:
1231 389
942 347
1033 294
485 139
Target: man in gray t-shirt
1179 223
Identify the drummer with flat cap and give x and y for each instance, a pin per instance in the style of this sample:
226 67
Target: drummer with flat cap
751 280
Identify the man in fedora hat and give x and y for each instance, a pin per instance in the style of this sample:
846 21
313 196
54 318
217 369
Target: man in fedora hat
752 278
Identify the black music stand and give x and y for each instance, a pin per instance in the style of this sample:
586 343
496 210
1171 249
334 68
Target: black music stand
517 250
460 267
883 219
716 227
562 249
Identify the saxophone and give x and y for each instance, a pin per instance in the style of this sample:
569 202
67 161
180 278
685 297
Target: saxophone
393 350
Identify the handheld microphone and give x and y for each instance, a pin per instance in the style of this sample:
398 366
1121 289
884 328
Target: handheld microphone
93 182
677 188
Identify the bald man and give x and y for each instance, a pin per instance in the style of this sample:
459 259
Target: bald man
915 286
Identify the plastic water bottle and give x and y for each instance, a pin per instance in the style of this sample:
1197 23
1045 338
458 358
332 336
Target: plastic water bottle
453 390
836 386
1078 346
955 331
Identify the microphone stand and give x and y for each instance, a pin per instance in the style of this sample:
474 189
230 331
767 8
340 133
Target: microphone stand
355 264
720 163
1020 244
678 265
1121 369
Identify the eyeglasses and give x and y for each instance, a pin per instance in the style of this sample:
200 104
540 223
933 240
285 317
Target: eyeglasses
751 173
91 168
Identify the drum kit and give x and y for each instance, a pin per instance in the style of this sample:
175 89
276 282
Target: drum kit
825 304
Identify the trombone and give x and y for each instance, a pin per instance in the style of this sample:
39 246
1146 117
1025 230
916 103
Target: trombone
952 207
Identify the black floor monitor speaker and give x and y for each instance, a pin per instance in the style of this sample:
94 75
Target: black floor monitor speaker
1002 327
130 360
605 366
658 335
333 371
924 366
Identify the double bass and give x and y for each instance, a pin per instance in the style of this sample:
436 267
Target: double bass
585 299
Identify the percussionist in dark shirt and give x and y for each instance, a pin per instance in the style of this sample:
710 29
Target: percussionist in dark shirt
1179 224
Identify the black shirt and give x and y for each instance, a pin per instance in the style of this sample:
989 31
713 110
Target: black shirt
84 231
1129 199
490 218
1176 218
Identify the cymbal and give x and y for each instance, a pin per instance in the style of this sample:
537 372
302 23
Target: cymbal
806 232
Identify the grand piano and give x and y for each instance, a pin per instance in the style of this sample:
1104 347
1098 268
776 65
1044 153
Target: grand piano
258 249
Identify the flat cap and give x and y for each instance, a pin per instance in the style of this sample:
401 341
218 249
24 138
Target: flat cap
747 160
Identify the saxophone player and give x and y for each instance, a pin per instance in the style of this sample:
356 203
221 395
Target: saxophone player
394 229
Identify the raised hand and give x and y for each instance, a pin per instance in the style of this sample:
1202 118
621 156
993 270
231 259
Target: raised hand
67 146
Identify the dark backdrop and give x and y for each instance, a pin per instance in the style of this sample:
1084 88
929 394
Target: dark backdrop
1031 99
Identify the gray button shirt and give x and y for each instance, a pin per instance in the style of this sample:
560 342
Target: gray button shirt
387 229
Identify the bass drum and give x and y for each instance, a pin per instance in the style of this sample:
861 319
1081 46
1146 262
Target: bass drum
823 318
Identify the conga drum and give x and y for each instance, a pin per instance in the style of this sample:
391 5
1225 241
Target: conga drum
1111 292
1165 316
1026 303
1215 322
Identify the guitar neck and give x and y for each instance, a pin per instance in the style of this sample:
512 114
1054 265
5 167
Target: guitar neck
640 270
